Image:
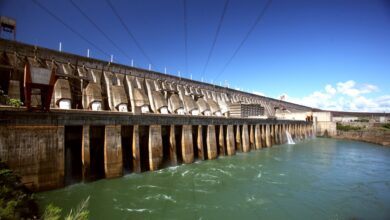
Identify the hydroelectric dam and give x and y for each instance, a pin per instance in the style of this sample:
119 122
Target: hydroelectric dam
84 119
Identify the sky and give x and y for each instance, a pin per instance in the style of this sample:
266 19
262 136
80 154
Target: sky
328 54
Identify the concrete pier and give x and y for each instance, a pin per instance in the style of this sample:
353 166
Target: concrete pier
268 137
187 147
252 142
199 142
263 136
258 137
238 138
172 145
221 141
230 142
113 151
155 147
245 139
85 153
135 148
211 142
277 134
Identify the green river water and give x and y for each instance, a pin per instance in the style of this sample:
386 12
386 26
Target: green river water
314 179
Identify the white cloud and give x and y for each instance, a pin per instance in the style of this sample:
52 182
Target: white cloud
350 88
330 90
345 96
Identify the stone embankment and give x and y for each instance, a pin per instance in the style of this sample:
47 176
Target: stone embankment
381 137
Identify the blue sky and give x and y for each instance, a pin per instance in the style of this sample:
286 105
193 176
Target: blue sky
332 54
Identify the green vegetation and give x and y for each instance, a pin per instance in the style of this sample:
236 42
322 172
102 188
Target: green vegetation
14 102
387 126
16 202
341 127
54 213
362 120
5 100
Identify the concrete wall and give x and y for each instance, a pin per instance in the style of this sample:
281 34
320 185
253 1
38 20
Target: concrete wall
323 121
36 153
376 137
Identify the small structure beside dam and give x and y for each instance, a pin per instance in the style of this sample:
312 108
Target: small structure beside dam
86 119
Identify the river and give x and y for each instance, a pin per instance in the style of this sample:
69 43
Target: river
313 179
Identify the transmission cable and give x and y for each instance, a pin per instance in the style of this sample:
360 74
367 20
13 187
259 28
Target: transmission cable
259 17
99 29
185 35
215 37
129 32
70 28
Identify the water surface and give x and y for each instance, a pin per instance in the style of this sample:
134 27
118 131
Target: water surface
314 179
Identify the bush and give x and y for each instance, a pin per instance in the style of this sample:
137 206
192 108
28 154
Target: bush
54 213
5 100
387 126
342 127
16 201
14 103
362 120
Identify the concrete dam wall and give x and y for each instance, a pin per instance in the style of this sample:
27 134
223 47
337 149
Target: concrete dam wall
106 119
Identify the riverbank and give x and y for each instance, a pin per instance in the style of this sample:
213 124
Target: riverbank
377 136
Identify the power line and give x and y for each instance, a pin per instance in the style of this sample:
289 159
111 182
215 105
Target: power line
69 27
129 32
99 29
215 37
259 17
185 34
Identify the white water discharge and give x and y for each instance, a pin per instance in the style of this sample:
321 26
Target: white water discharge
289 138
